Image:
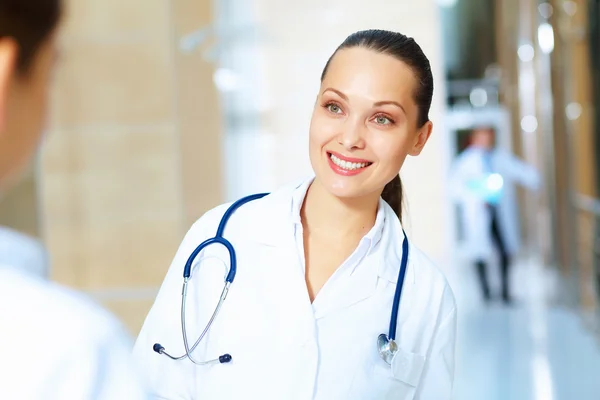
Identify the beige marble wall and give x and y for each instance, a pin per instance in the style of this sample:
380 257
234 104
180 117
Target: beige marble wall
199 119
134 126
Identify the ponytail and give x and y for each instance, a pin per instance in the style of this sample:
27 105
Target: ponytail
392 194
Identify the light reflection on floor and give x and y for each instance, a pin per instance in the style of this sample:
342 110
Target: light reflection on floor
532 351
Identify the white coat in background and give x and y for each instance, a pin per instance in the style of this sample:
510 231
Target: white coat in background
284 347
57 345
469 166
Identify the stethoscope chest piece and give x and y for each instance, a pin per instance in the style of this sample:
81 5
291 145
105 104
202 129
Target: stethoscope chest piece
387 348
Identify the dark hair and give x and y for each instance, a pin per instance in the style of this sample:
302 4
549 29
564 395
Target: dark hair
408 51
29 23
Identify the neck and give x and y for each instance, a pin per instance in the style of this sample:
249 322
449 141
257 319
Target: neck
324 213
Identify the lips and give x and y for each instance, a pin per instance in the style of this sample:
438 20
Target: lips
347 166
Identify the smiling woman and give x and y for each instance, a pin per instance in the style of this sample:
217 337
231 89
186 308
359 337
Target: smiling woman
325 261
414 83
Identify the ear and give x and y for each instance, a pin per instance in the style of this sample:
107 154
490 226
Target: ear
8 59
422 138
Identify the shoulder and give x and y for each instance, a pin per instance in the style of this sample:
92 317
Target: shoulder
466 153
504 156
72 340
39 304
17 238
428 274
469 155
22 251
276 201
430 283
464 159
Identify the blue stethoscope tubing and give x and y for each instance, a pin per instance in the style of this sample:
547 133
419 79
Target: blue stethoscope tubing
187 271
386 343
398 291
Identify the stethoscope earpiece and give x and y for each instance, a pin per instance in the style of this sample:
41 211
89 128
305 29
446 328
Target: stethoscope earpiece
386 348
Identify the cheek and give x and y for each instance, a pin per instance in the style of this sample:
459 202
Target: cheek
391 153
323 130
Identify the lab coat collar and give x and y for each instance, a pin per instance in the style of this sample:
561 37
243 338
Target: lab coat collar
360 282
271 217
272 223
385 240
298 199
371 238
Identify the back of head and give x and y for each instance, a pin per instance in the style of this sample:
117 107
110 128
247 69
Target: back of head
407 50
26 60
28 23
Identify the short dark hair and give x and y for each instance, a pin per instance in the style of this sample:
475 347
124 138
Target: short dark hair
29 23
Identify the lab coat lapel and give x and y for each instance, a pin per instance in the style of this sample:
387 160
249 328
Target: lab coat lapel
284 288
276 252
271 223
383 262
356 287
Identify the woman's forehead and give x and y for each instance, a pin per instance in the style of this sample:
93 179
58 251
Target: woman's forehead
359 70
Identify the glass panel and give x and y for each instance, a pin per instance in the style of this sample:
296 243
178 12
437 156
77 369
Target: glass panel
468 38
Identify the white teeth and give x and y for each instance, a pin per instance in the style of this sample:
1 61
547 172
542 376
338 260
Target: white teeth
347 165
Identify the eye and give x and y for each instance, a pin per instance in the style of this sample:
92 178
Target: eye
333 108
383 120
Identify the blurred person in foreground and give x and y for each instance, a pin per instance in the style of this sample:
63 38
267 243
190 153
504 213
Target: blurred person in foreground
25 252
56 344
482 181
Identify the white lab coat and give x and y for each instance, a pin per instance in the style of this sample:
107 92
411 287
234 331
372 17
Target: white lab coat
469 165
284 347
23 252
56 344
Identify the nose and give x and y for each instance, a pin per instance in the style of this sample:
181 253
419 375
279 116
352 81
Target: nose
352 136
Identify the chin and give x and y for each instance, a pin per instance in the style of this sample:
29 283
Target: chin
342 192
344 187
348 184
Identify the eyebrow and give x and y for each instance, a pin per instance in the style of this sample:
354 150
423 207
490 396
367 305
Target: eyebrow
342 95
382 103
377 104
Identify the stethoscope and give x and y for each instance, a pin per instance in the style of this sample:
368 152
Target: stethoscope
386 344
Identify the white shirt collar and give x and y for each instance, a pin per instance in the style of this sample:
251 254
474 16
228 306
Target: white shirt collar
372 237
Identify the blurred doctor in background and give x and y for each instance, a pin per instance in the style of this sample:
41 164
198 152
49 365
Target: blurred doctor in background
482 182
56 344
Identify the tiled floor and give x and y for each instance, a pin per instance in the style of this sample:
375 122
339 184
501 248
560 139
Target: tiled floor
531 351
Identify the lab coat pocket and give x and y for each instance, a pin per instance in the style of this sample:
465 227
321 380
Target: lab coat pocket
403 375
